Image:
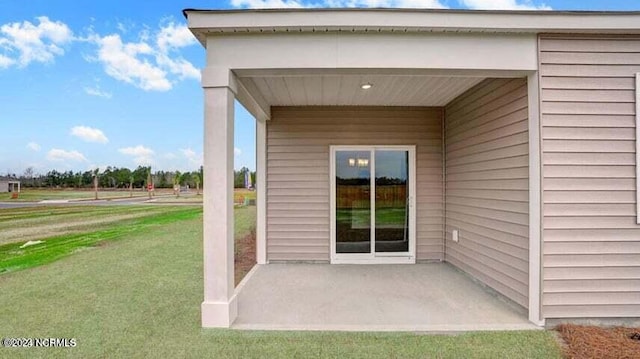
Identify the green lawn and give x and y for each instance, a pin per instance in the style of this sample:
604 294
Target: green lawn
139 297
362 217
66 230
34 223
36 195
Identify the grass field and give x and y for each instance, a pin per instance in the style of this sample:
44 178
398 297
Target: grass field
362 217
184 198
139 296
61 231
36 195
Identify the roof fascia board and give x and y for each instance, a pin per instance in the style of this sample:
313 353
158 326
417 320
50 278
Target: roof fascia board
464 52
413 20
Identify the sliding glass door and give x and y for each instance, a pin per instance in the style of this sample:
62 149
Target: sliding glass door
372 199
353 201
392 201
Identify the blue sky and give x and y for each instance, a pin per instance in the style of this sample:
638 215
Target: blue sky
97 83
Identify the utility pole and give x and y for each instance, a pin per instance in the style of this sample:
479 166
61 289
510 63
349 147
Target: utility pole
149 182
95 183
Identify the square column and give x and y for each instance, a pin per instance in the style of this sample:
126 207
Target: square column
535 202
261 189
219 308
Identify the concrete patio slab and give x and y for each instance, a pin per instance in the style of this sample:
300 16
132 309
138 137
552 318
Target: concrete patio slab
420 297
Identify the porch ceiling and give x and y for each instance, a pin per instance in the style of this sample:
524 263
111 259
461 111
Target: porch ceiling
345 89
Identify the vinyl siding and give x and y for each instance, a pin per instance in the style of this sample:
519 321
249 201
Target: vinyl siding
487 186
591 263
298 140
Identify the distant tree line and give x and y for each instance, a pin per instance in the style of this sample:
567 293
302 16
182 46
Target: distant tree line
120 178
238 177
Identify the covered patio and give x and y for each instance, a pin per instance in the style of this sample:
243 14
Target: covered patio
433 297
466 126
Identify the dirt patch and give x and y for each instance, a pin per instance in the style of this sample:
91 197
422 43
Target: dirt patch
583 341
245 255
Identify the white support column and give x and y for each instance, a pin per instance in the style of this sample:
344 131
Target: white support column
261 186
535 203
219 308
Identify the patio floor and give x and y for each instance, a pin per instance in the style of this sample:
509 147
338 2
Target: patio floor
420 297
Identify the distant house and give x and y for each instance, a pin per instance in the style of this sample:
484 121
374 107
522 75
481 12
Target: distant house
503 143
9 186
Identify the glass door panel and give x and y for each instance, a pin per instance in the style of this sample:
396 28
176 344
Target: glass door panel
391 201
353 201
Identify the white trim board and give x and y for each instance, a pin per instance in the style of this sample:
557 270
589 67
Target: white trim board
318 51
261 189
638 147
535 202
205 22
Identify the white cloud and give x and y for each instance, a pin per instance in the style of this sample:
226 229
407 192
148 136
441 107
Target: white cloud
96 91
100 168
173 36
139 150
56 154
89 134
503 5
432 4
122 28
237 151
195 160
151 63
264 4
24 43
188 153
126 62
142 156
258 4
5 61
170 156
33 146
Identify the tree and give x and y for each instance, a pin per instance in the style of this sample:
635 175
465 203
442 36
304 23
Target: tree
186 179
161 177
87 178
52 179
238 177
122 177
28 174
140 175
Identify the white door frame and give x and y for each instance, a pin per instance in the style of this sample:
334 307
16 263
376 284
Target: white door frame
373 257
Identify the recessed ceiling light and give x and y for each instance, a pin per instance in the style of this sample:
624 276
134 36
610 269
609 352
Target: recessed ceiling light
366 86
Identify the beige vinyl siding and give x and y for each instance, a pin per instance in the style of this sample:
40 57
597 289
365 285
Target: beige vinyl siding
487 186
591 251
298 140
